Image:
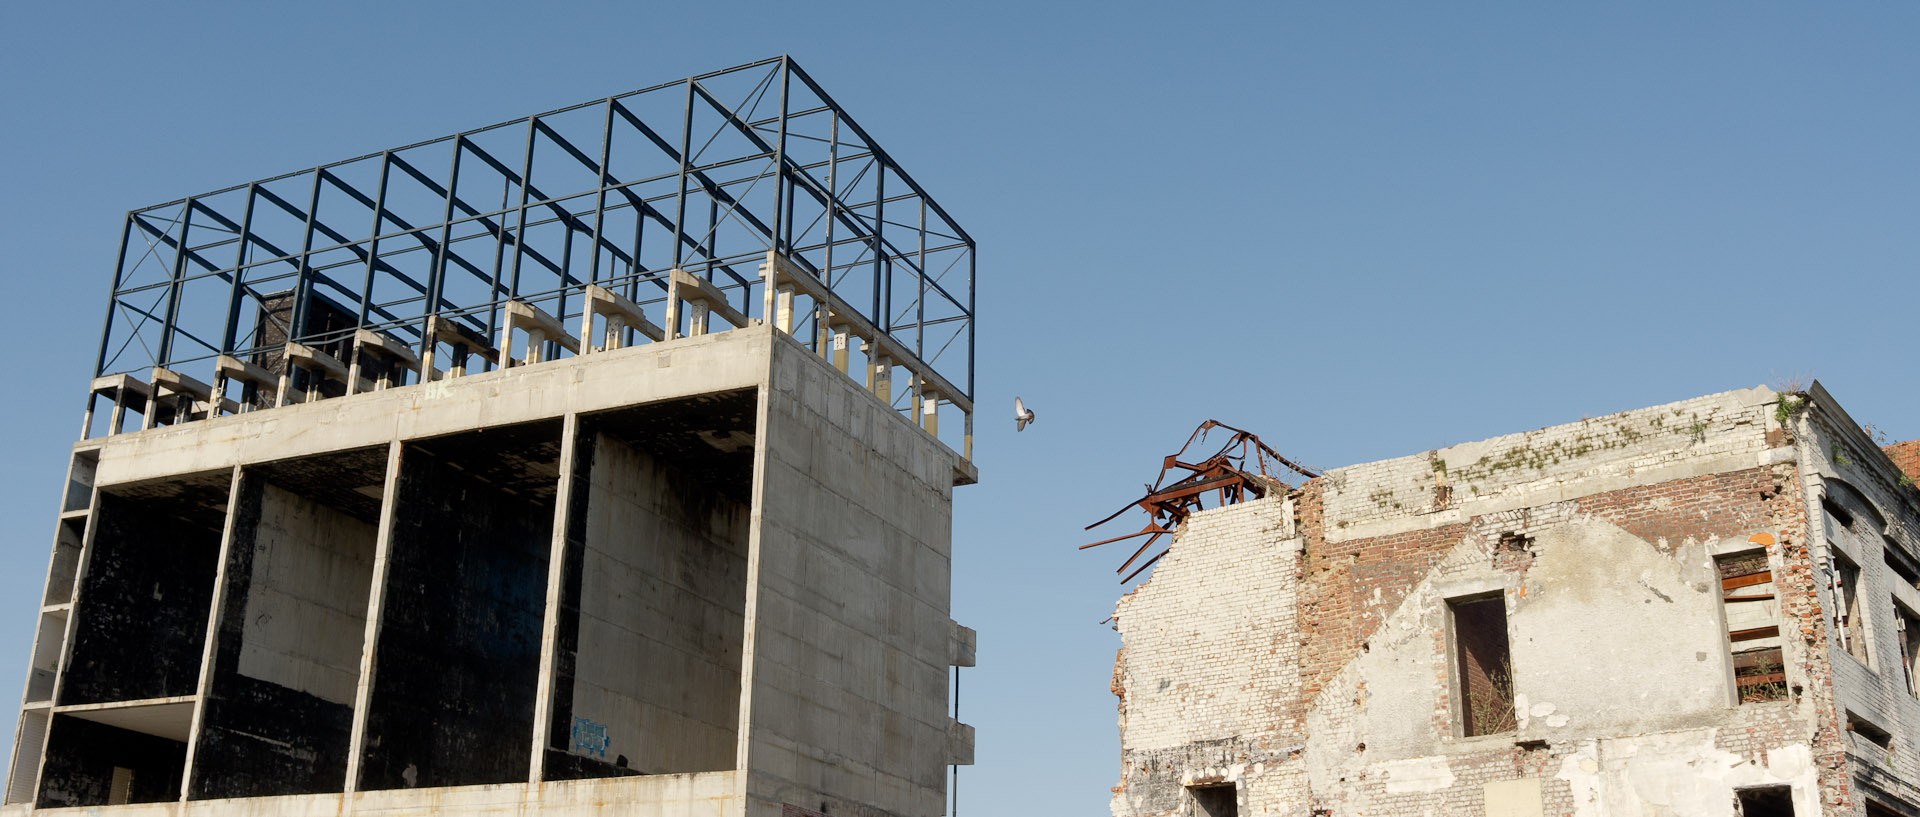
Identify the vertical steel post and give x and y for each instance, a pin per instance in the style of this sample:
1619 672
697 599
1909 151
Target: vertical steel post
680 201
920 297
600 198
437 273
113 299
520 218
373 241
232 337
296 320
780 208
163 355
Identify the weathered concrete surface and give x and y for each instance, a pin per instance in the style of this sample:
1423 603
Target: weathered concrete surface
765 598
624 377
663 610
848 613
708 794
1302 648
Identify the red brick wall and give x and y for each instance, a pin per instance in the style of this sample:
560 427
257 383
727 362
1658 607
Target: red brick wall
1337 609
1907 456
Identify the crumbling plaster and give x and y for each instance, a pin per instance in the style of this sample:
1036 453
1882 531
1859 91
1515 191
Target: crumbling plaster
1623 681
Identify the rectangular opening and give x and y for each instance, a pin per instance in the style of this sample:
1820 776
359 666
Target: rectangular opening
1752 612
1867 731
66 561
1216 800
1908 624
278 715
80 473
1852 619
1483 666
652 620
138 757
28 743
141 612
458 656
1898 562
47 642
1764 801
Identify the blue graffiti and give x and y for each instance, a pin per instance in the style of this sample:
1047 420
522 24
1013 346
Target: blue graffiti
590 738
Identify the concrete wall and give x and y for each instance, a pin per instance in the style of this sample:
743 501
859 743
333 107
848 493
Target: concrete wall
711 794
457 659
1326 681
849 609
793 626
278 712
661 618
142 608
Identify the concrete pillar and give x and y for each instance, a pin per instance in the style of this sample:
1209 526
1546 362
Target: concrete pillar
556 588
212 644
376 600
783 308
697 318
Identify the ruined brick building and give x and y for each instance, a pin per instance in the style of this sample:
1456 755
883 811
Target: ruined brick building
1704 608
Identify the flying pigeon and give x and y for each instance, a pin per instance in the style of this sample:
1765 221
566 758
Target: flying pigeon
1021 415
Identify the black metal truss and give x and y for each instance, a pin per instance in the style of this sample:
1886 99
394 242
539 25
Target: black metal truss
707 174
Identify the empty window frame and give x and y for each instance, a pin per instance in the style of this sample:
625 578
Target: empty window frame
1907 626
1482 665
1753 626
1764 801
1877 743
1850 615
1217 800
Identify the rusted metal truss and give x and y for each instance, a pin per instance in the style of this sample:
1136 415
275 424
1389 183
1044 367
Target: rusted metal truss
1235 473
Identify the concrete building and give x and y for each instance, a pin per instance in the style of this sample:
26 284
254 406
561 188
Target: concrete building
1704 608
386 564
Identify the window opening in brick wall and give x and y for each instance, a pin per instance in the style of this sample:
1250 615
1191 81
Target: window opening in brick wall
1907 626
1898 562
1873 735
1876 808
1482 664
1218 800
1836 514
1852 623
1753 626
1765 801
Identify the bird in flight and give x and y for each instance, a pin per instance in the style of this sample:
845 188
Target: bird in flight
1021 415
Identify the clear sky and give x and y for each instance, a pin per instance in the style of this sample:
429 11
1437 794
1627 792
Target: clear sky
1359 230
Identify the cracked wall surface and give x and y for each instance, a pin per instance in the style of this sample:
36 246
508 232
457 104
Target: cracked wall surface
1301 648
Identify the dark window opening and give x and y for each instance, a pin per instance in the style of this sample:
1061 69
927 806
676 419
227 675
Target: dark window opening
1836 513
1753 627
1852 624
1483 666
1899 562
1769 801
1869 732
1215 801
1909 630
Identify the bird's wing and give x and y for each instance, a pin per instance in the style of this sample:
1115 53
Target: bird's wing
1019 407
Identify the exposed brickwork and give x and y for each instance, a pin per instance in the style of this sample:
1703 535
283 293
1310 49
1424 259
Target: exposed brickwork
1667 514
1906 457
1349 587
1362 722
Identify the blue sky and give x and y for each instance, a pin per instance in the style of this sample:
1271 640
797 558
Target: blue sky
1359 230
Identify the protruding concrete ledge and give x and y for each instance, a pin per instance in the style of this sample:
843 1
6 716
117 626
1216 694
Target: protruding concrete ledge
620 313
539 327
962 644
702 298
